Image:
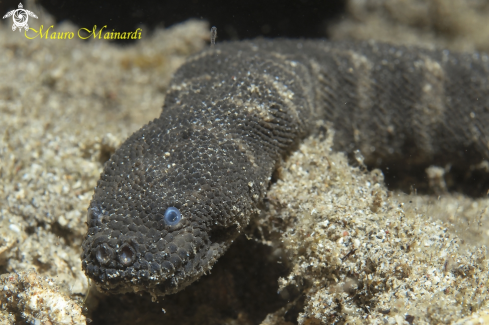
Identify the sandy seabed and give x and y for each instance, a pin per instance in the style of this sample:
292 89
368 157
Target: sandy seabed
334 245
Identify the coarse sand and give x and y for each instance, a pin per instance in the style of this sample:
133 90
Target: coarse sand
332 244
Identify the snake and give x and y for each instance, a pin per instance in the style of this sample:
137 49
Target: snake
177 193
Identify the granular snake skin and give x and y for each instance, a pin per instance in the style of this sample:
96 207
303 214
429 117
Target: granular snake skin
176 194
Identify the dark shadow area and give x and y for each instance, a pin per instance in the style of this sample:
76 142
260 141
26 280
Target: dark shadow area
242 289
233 19
470 181
466 173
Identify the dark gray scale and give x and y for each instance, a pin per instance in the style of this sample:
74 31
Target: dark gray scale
176 194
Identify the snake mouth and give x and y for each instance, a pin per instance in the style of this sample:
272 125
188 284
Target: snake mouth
158 279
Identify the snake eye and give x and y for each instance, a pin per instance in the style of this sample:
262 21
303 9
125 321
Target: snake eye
172 216
95 215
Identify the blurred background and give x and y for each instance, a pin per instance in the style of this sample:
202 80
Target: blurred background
234 19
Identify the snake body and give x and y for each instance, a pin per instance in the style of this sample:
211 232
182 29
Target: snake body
177 192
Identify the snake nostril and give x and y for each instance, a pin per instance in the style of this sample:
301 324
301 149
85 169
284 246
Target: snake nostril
127 255
104 254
